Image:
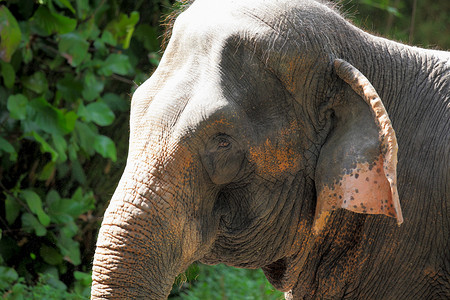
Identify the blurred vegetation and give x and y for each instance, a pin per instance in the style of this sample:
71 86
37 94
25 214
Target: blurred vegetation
67 71
420 23
222 282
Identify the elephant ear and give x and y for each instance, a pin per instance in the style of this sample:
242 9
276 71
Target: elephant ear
357 164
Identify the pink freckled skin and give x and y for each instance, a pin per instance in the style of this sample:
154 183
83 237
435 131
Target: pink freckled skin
361 191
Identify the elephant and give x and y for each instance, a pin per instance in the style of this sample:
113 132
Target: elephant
275 134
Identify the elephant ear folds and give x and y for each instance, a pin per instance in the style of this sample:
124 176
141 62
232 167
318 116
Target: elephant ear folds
357 164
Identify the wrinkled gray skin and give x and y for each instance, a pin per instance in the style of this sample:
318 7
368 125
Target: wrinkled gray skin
225 140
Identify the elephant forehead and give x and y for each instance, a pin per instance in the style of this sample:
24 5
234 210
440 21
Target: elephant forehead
212 11
206 24
228 16
273 33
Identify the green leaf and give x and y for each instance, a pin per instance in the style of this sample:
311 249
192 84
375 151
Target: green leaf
73 149
52 287
58 211
70 118
148 36
26 48
59 217
45 147
8 74
17 106
56 63
60 146
97 112
48 118
394 11
17 291
64 210
73 47
89 30
77 171
27 54
100 48
5 146
122 28
105 147
10 34
85 136
50 255
45 22
83 9
85 202
93 86
69 248
47 171
12 209
108 38
66 4
69 87
70 229
30 222
116 102
116 63
7 277
35 204
36 82
84 278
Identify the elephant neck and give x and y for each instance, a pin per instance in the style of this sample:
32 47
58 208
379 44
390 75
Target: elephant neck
412 83
403 76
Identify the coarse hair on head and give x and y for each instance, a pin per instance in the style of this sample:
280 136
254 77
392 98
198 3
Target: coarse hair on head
169 20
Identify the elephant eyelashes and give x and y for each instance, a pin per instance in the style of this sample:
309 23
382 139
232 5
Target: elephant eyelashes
219 142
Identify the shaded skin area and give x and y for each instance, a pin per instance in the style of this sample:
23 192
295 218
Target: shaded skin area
246 133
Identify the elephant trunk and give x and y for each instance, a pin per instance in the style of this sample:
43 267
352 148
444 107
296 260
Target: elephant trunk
138 250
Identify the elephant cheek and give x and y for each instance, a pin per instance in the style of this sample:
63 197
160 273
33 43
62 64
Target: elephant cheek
275 158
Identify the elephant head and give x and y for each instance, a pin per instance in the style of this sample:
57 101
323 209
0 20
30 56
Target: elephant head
252 134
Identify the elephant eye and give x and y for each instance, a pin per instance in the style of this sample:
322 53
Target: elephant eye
222 158
223 143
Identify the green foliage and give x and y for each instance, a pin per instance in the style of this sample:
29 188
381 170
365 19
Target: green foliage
421 23
9 34
67 69
222 282
47 287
